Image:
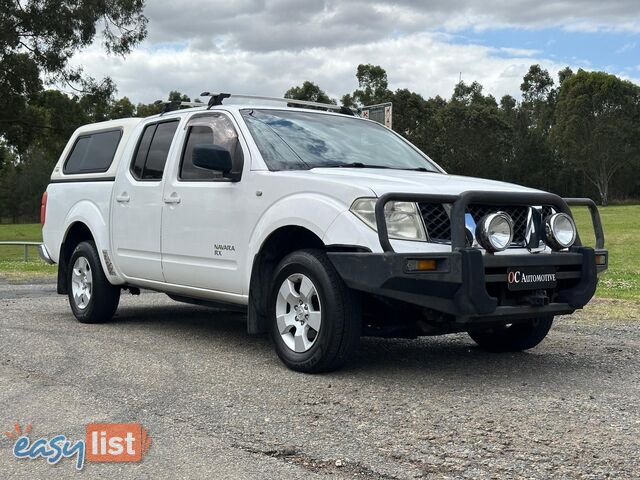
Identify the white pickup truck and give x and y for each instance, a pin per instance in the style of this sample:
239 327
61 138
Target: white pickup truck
322 225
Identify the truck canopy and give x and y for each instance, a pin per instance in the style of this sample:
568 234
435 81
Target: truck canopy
94 150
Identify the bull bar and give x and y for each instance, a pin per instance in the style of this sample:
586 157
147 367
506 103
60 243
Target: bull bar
466 280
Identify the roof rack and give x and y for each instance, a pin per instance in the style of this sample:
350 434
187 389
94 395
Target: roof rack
217 98
170 106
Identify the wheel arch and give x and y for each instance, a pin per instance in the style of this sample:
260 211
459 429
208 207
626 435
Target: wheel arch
75 233
279 243
85 224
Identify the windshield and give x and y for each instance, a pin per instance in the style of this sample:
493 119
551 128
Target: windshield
293 140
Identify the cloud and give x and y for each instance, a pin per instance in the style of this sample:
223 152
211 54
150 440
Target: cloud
424 62
267 46
626 47
521 52
261 25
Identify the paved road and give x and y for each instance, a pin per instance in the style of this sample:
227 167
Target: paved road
218 403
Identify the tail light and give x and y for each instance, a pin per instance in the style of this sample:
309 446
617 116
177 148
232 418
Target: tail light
43 208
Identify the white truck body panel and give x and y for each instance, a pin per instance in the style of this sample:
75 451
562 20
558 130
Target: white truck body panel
199 239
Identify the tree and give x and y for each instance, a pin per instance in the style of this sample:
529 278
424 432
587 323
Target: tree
537 84
19 82
508 104
61 114
46 35
564 74
122 108
26 170
37 41
471 94
148 109
175 96
475 138
417 119
410 109
373 87
538 99
310 92
598 126
533 156
97 101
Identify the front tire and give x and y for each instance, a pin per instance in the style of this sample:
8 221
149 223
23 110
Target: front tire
314 317
92 298
514 337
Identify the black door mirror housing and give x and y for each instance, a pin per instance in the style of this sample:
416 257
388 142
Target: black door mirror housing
216 158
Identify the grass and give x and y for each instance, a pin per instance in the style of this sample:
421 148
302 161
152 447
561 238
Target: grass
621 225
12 266
621 229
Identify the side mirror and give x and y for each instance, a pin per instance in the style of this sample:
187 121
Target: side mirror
213 157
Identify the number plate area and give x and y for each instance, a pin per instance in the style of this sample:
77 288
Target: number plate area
531 278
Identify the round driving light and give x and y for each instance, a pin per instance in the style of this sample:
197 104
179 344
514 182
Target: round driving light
560 231
494 232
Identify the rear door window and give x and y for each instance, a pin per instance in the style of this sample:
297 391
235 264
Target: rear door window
142 151
153 150
93 153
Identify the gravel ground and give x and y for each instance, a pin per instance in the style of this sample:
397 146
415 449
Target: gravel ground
218 403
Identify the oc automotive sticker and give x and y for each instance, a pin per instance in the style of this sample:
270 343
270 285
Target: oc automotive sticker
531 278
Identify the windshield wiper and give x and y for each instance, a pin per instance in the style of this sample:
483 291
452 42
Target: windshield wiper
366 165
418 169
352 165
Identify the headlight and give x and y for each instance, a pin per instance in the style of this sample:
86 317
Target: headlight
560 231
494 232
404 221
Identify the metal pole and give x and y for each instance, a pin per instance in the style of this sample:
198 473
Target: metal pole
26 252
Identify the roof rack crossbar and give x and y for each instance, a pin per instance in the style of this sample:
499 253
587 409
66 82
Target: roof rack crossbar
217 98
170 106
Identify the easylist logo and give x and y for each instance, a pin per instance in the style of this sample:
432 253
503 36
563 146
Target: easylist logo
518 277
104 442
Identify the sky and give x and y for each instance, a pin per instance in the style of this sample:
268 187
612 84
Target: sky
263 47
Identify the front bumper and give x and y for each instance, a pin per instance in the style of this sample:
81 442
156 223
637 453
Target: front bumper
468 283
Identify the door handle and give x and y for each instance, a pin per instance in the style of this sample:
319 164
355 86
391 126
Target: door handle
174 198
123 198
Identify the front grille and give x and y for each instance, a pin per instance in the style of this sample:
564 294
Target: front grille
547 210
436 221
438 224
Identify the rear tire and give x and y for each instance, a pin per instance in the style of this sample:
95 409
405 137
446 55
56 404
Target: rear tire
315 320
92 298
515 337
